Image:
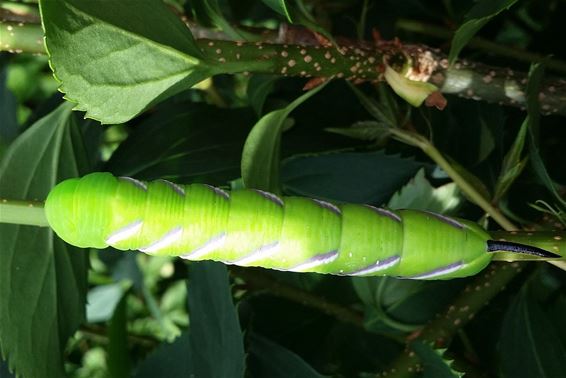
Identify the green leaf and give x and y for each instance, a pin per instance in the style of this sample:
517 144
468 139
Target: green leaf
50 276
364 130
102 301
434 363
532 120
476 18
8 109
281 7
213 12
168 360
529 345
216 342
395 305
469 177
298 15
186 142
380 111
4 371
513 164
114 61
420 194
347 177
259 87
412 91
260 157
272 360
119 360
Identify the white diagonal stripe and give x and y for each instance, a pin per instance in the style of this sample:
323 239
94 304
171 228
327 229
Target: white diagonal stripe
168 239
261 253
438 272
124 233
379 265
210 246
315 261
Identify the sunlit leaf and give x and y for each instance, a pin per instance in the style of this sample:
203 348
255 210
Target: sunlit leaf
420 194
112 64
260 157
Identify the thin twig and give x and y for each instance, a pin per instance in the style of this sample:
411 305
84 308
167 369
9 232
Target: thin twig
359 61
260 279
441 330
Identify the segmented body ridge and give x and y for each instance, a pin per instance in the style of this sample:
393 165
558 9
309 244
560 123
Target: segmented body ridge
256 228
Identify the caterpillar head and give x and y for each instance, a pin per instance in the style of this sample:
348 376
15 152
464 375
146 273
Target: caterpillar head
77 208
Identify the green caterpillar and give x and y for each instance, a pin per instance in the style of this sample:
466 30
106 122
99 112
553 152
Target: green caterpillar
256 228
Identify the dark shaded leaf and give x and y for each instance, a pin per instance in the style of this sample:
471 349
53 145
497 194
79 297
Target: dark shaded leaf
215 338
259 88
39 317
279 6
274 361
536 74
213 13
8 109
434 363
187 143
168 360
476 18
119 360
395 305
529 342
347 177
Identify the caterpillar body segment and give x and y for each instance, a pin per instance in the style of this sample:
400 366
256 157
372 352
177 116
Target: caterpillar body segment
256 228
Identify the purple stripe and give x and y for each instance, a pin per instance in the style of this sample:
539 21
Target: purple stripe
137 183
316 260
438 272
377 266
176 188
450 221
327 205
218 191
385 212
270 196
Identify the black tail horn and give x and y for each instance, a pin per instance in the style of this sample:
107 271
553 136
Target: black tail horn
506 246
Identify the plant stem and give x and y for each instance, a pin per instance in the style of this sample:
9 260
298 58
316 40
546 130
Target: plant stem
481 44
428 148
23 212
101 334
475 296
20 37
440 331
329 62
361 61
503 86
260 279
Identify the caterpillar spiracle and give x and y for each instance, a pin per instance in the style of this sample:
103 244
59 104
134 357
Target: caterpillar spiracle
254 228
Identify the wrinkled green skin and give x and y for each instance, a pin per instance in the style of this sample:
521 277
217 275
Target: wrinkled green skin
254 228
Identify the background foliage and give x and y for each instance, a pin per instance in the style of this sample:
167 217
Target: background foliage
147 316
